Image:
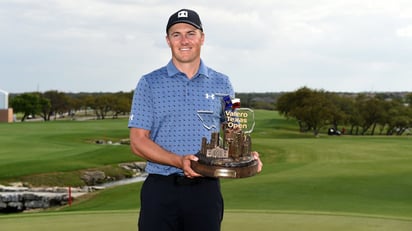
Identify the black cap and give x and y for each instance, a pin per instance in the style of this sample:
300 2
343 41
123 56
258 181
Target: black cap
185 16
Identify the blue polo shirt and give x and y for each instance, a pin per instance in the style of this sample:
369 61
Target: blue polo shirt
178 111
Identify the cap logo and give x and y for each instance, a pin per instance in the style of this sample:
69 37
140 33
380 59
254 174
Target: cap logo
182 14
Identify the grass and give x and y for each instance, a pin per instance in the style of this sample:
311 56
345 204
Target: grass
233 221
36 148
308 183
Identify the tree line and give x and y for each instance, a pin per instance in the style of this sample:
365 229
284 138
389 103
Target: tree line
314 110
51 105
355 114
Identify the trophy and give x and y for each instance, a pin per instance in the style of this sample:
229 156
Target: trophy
228 154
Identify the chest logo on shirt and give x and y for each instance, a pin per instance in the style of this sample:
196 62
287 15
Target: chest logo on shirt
209 96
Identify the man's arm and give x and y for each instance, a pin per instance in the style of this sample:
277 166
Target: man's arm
141 145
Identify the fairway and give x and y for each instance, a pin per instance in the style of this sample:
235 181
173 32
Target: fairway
233 221
308 183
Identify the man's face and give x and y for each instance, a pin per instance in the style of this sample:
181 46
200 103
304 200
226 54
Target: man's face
185 42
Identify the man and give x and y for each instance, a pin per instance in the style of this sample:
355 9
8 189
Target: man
165 129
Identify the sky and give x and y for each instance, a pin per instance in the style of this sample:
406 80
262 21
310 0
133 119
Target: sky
263 45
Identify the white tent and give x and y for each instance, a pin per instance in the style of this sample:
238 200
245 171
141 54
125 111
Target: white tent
4 99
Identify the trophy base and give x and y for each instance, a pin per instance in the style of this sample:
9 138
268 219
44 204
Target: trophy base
226 172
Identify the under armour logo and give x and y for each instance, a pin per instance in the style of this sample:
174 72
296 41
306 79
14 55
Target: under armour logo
210 96
182 14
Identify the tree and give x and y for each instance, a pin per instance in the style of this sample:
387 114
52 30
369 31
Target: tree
398 117
59 104
83 102
28 104
102 104
45 107
121 103
354 117
340 109
408 99
312 109
371 111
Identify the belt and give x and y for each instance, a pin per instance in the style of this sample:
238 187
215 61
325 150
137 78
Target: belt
182 180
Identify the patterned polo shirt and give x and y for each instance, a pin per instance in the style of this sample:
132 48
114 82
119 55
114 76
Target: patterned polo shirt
179 111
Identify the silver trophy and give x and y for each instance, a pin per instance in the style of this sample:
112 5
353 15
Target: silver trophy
228 154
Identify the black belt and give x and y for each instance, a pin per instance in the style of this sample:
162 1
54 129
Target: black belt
182 180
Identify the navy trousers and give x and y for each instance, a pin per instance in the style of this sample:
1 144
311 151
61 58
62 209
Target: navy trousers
177 203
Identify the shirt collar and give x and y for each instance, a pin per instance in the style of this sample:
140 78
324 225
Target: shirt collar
173 71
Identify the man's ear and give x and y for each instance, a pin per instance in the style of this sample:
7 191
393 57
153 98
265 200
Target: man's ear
167 40
203 38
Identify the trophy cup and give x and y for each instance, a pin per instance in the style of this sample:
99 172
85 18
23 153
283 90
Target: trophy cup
228 154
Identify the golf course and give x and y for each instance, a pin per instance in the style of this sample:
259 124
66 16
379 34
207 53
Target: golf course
308 183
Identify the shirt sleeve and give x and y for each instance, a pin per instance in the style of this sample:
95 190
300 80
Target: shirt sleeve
230 88
141 114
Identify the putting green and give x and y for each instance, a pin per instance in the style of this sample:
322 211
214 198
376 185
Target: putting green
233 221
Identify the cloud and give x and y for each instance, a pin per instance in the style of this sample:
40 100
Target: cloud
405 32
266 45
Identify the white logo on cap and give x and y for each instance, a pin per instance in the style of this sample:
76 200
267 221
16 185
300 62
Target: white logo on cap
182 14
